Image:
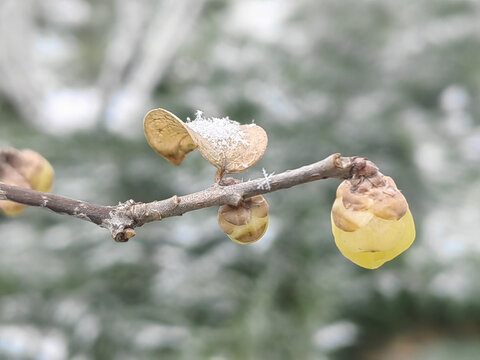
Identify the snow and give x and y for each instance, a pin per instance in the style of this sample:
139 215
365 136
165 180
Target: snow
265 184
221 132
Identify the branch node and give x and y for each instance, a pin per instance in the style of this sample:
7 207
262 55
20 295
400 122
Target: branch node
363 167
229 181
127 203
124 235
121 221
234 199
175 200
338 161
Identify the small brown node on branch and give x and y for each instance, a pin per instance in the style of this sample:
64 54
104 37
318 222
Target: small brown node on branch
125 235
175 200
120 237
129 233
337 161
363 167
229 181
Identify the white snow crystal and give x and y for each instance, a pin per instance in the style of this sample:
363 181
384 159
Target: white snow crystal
221 132
265 184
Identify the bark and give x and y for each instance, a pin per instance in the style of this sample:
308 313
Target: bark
122 219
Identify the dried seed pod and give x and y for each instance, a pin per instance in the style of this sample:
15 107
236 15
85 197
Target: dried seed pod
168 135
371 221
246 223
227 145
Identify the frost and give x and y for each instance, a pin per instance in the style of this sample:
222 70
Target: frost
221 132
265 184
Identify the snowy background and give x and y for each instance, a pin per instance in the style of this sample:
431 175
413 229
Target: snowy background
395 81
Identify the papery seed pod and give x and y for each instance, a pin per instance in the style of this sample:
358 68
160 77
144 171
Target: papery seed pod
227 145
246 223
371 221
9 176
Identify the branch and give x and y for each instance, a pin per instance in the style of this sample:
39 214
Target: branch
121 220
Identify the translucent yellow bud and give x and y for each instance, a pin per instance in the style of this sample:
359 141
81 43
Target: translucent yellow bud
246 223
371 221
10 176
37 170
27 169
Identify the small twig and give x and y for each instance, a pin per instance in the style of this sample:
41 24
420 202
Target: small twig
121 220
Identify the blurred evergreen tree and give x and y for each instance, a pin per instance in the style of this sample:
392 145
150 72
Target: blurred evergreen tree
393 81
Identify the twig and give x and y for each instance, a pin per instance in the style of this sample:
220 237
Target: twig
121 220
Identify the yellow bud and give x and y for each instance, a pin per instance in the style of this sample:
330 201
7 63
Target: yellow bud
27 169
371 221
246 223
9 176
37 170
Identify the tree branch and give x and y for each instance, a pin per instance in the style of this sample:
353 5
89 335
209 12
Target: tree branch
121 220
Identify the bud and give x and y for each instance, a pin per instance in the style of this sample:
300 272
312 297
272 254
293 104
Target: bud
34 168
9 176
247 223
371 221
27 169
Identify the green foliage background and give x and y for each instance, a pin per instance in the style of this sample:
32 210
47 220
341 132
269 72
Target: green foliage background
368 78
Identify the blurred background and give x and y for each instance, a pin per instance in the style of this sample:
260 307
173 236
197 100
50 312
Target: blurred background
395 81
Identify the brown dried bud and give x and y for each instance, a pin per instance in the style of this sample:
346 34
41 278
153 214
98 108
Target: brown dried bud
383 200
